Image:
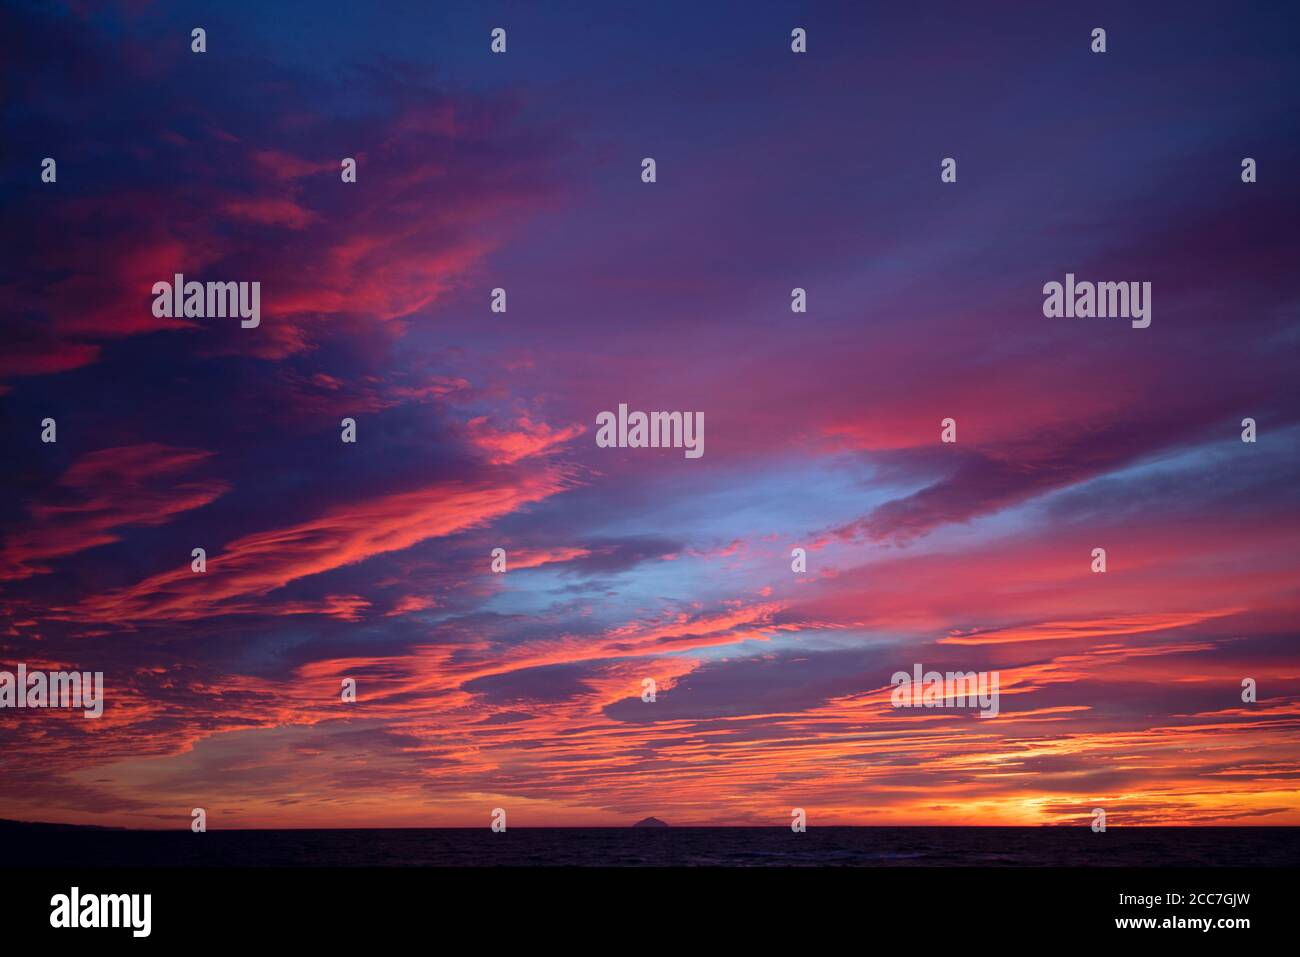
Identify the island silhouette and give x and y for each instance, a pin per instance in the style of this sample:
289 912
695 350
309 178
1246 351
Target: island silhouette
650 822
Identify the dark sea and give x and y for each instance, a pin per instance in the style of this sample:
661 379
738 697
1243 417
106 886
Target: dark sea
662 847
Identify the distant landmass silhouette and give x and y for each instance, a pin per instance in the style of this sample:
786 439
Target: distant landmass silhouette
27 826
650 822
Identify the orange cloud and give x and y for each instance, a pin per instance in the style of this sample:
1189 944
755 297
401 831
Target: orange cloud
104 491
256 564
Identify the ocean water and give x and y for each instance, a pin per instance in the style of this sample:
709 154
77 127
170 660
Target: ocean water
666 847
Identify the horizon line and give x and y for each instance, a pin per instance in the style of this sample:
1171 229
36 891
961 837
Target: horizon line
634 827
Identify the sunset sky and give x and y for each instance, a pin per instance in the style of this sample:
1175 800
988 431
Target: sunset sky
476 430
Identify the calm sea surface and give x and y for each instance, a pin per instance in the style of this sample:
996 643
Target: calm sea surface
670 847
